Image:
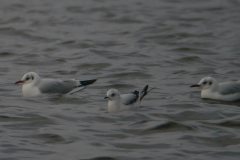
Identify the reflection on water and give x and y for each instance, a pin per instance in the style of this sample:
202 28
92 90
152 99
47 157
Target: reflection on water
126 45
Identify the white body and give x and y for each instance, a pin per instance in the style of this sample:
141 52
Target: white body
29 90
226 91
218 94
117 102
34 86
117 105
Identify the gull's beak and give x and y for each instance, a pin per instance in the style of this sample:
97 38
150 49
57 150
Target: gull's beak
19 82
105 97
195 85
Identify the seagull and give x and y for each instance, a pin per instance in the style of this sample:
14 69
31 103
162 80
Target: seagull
34 86
226 91
120 102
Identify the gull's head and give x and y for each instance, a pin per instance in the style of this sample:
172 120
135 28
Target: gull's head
206 83
112 94
29 78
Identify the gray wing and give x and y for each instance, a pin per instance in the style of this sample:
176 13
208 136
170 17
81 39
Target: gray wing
57 86
130 98
229 87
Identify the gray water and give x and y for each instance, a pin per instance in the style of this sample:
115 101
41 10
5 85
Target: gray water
168 44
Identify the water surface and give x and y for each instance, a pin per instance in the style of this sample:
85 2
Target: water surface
126 45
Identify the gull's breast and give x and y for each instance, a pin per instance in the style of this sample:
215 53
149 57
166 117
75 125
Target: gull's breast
218 96
30 91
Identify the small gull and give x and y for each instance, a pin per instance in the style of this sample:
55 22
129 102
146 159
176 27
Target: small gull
34 86
117 102
226 91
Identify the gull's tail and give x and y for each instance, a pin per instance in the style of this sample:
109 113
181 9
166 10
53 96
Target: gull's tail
145 92
87 82
83 85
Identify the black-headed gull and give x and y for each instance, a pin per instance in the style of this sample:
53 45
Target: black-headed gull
34 86
226 91
120 102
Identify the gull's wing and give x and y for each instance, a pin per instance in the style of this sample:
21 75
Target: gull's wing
229 87
83 85
144 92
57 86
130 98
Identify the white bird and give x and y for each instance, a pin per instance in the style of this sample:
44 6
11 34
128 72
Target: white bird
117 102
34 86
226 91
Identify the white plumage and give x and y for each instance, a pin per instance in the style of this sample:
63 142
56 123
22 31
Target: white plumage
34 86
120 102
226 91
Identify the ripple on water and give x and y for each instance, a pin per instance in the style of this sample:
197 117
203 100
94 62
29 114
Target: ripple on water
49 138
28 121
193 51
216 141
126 20
194 115
7 54
93 65
170 126
74 44
107 54
112 135
119 86
99 119
234 123
63 72
39 63
24 34
130 75
75 9
189 59
137 55
132 146
101 158
184 106
13 20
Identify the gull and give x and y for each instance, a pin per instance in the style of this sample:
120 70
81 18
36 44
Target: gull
34 86
226 91
120 102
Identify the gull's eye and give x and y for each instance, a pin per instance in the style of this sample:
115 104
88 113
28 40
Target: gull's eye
27 78
210 83
113 95
204 82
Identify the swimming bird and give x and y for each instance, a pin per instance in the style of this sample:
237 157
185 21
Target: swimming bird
121 102
34 86
226 91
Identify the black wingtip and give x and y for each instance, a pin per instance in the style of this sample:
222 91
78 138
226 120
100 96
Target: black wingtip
144 92
88 82
145 89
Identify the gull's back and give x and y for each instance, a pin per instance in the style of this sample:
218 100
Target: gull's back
57 86
131 100
227 91
226 88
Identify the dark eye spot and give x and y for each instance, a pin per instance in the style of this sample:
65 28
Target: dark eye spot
210 83
27 78
113 94
204 82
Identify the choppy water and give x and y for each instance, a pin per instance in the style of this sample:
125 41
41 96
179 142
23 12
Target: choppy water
166 44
